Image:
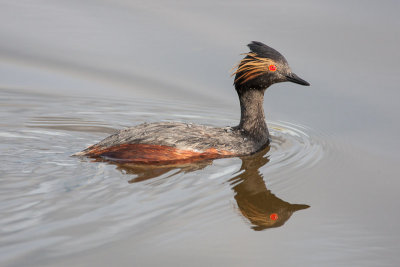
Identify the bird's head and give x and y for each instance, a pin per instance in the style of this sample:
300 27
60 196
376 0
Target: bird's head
262 67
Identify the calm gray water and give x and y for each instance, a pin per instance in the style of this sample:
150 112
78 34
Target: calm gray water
73 72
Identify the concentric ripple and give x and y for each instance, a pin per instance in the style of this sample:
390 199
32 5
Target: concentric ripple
293 148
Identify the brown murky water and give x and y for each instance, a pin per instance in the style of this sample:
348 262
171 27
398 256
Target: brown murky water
323 194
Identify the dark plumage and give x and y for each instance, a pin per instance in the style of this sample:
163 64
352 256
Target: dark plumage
265 51
172 143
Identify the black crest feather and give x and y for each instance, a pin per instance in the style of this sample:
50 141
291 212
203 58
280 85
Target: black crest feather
264 50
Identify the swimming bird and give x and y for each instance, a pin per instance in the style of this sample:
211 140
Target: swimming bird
164 143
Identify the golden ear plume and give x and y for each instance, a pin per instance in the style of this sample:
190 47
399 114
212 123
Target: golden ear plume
251 67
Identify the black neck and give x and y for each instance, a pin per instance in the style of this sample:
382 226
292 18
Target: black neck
252 119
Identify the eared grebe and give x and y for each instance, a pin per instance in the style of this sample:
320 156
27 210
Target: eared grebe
179 143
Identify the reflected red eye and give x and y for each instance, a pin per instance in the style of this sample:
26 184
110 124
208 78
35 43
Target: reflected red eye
273 216
272 67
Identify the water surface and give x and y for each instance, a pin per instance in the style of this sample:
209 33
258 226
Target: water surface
323 194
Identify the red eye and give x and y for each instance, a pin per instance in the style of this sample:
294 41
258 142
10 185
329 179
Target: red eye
273 216
272 67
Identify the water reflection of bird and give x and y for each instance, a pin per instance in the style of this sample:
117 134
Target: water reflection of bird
255 202
173 142
145 172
